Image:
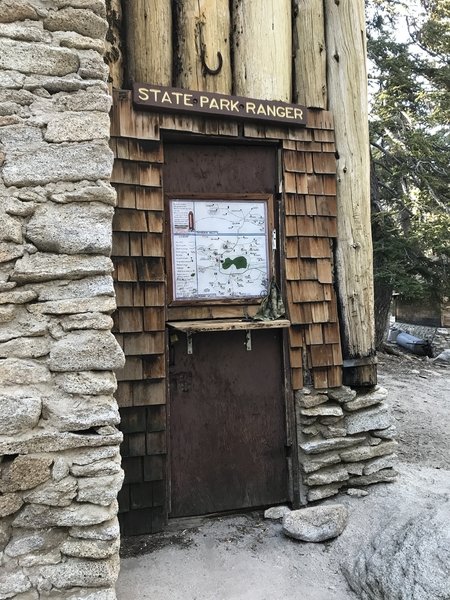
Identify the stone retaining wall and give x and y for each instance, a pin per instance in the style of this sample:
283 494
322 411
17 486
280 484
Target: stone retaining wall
345 438
59 447
438 336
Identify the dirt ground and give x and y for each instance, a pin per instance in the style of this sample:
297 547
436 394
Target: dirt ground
244 557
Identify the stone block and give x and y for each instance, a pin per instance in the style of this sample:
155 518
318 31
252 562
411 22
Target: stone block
363 400
341 394
81 21
70 39
84 101
105 531
35 516
21 138
87 383
30 32
310 400
31 541
9 252
25 347
313 462
13 582
99 489
94 549
24 473
323 491
78 572
20 10
324 410
316 524
53 557
367 452
53 493
10 228
72 229
90 320
97 6
20 410
316 446
10 504
68 412
80 305
327 476
383 476
92 65
18 297
20 325
97 468
18 371
88 287
102 192
85 351
387 434
46 267
28 57
368 419
377 464
56 441
74 162
78 126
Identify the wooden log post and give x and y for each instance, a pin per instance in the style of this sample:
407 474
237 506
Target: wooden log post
347 95
149 41
202 55
262 48
114 43
310 63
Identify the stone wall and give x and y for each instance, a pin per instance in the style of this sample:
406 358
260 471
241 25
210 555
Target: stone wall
59 447
345 438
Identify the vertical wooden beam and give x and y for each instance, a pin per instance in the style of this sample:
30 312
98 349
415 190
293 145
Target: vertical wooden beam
347 94
202 32
114 43
149 41
262 47
310 64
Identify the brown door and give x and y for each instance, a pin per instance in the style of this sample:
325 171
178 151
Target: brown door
227 427
227 423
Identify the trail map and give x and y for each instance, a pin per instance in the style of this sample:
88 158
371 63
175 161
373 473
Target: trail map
219 249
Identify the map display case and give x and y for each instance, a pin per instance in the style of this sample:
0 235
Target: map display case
220 248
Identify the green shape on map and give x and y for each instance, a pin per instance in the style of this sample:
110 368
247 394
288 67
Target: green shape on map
240 262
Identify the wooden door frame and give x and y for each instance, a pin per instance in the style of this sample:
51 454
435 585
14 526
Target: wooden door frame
308 218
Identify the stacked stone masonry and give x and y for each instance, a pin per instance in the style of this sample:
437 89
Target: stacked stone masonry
345 438
59 446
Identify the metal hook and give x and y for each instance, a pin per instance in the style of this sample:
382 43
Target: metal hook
207 70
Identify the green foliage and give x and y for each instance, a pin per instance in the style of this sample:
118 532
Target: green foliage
410 137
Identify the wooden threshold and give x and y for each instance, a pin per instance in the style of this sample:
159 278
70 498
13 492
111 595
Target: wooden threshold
226 325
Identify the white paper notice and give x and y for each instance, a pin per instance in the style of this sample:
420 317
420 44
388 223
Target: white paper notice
219 249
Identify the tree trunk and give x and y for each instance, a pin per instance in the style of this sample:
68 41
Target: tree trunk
262 47
310 66
114 43
202 31
347 94
149 41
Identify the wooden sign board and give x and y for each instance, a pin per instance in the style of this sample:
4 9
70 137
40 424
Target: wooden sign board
156 97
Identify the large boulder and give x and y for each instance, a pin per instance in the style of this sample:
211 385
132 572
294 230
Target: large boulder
409 558
316 524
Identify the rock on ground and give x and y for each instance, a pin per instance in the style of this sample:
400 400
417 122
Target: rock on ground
410 558
276 512
316 524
